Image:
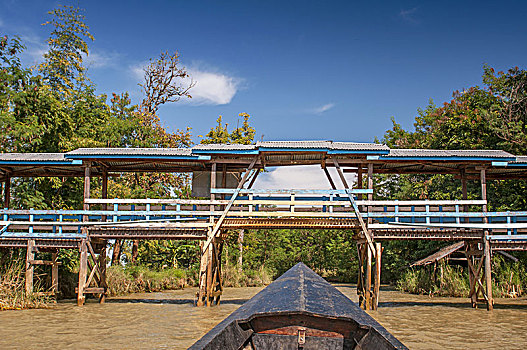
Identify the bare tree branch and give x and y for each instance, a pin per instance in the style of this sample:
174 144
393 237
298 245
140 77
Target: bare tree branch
165 81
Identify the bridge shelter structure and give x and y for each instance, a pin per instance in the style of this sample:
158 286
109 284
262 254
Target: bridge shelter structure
223 182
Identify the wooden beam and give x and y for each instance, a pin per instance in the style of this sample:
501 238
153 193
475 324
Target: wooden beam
328 175
254 178
30 268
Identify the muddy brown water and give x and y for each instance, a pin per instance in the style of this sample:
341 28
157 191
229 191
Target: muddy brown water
169 320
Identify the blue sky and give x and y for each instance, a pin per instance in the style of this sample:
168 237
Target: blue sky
335 70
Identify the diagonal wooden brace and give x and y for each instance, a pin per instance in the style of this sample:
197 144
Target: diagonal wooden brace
365 230
218 224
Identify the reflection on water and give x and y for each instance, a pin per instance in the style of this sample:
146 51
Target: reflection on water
170 321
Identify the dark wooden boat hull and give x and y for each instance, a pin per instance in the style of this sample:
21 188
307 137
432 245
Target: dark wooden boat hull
300 310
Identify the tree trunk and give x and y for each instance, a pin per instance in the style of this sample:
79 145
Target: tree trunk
116 255
135 251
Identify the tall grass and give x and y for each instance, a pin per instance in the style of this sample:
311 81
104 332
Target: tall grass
134 279
233 277
12 290
447 280
509 280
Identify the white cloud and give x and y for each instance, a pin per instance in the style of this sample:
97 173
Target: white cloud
101 59
137 71
408 15
322 109
300 177
212 87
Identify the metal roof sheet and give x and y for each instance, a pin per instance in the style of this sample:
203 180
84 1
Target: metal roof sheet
448 153
130 152
358 146
327 145
293 144
33 157
520 160
222 146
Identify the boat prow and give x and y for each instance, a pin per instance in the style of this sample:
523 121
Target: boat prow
299 310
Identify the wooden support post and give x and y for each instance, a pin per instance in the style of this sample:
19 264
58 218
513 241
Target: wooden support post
102 268
7 191
488 274
209 274
104 190
87 178
54 272
241 233
212 186
469 249
370 186
377 281
30 268
464 191
361 250
486 246
367 284
202 283
83 269
359 179
224 178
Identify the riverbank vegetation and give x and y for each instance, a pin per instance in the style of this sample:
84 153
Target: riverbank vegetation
54 107
12 289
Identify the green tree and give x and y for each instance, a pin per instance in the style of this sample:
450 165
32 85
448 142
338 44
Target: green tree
241 134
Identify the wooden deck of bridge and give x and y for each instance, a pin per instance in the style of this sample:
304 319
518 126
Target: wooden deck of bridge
238 206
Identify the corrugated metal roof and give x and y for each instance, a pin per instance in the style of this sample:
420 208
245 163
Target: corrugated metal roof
358 146
329 145
448 153
520 160
222 146
293 144
131 152
33 157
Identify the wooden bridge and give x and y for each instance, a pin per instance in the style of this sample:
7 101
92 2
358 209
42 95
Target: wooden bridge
230 172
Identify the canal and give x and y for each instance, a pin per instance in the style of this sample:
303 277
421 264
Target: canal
168 320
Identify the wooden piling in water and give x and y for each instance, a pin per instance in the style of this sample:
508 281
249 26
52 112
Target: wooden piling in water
30 268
